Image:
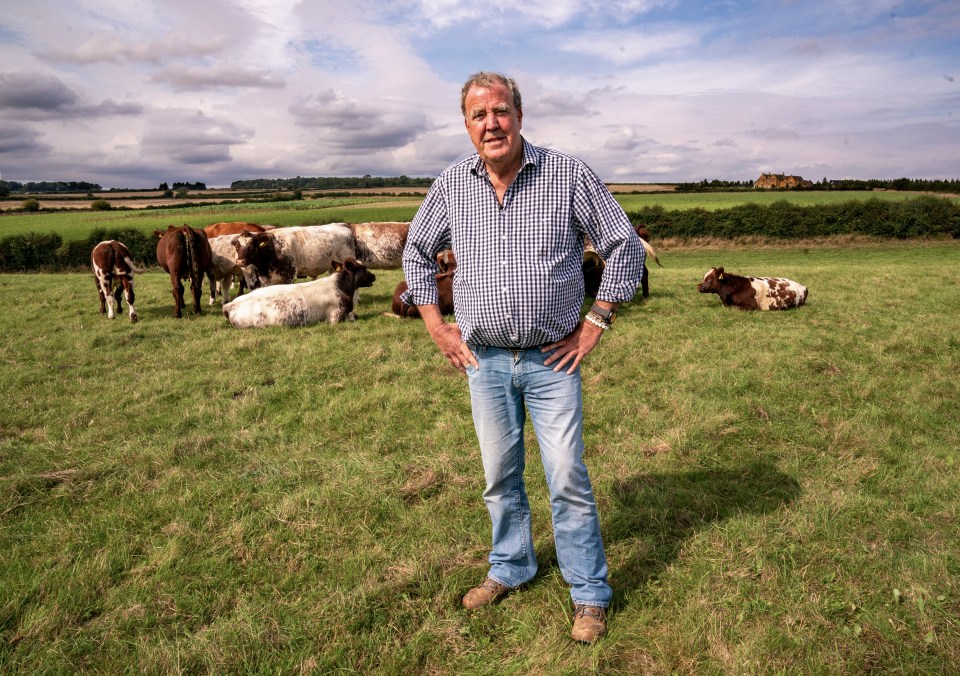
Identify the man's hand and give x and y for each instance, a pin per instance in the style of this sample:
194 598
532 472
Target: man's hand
448 339
574 346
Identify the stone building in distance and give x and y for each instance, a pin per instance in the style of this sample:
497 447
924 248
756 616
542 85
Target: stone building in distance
781 181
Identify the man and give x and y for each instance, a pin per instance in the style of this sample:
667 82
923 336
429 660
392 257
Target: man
516 216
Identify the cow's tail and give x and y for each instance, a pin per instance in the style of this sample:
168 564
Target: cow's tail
195 272
133 267
650 252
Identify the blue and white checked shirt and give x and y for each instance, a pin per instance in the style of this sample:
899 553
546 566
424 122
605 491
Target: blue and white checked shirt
519 276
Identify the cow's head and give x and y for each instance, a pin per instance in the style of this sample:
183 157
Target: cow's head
447 261
712 281
355 271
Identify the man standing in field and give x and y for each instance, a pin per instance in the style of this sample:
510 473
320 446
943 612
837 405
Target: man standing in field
515 216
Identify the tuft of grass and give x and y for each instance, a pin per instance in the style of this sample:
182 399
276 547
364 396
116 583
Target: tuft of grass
778 491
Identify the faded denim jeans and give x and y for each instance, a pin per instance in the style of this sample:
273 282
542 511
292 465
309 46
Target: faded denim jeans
506 383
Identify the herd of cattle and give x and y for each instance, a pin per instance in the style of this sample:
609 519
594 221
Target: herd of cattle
268 260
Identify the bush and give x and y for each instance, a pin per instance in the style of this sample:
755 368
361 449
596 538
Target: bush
30 204
100 205
33 251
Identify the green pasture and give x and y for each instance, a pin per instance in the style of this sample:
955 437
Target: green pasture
778 491
76 224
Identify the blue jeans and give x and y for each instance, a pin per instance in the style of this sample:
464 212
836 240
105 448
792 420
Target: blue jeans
505 381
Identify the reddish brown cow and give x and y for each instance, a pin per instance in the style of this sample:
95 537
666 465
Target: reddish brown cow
234 228
113 267
444 290
593 267
184 252
447 261
753 293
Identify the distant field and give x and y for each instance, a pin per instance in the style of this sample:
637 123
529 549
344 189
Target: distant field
74 225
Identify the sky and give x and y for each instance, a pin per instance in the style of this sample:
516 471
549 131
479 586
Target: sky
134 93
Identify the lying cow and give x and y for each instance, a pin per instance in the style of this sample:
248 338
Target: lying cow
447 261
113 271
280 256
444 293
224 270
380 245
753 293
184 253
328 299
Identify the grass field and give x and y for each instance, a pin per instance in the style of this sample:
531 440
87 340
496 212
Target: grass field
75 225
778 491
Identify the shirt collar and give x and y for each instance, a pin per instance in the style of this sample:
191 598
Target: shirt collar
531 157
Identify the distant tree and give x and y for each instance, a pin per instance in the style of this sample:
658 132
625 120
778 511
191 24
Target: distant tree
4 190
100 205
164 186
167 192
31 204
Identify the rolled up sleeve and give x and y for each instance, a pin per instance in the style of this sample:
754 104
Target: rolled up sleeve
429 234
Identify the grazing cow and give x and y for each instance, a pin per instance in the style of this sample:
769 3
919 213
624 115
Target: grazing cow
234 228
282 255
447 261
445 297
327 299
224 269
753 293
184 252
593 267
113 267
380 245
644 236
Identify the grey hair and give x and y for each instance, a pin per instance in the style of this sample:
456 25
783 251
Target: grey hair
489 79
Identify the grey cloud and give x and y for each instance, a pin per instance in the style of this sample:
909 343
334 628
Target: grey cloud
21 140
107 48
48 98
770 133
345 125
184 78
192 138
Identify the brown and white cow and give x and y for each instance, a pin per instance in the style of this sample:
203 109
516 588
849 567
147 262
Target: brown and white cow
224 270
327 299
753 293
113 270
380 245
234 228
282 255
444 294
447 261
184 253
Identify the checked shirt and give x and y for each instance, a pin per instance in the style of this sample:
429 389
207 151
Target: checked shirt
519 276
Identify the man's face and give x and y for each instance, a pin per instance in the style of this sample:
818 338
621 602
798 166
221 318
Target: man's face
493 124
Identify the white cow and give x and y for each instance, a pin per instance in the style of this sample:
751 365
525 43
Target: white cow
328 299
224 269
282 255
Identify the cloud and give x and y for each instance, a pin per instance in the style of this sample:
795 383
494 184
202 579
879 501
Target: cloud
346 125
192 138
186 78
45 97
105 47
20 140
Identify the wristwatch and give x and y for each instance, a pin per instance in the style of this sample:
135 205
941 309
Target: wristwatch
607 315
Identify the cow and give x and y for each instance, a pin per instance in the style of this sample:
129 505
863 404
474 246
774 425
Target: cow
224 269
444 292
753 293
113 270
234 228
184 253
380 245
328 299
447 261
282 255
644 236
593 267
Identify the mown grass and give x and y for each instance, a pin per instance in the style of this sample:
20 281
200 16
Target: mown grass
778 491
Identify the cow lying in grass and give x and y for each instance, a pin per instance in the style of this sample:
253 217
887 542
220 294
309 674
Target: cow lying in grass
753 293
327 299
444 297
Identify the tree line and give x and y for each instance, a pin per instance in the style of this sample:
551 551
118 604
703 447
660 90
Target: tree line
330 182
902 184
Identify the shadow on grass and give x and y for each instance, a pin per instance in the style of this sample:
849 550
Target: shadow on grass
655 513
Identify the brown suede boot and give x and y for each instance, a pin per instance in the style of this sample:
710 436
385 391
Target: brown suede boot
589 623
484 594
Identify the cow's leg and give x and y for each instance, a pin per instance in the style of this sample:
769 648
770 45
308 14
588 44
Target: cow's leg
213 287
644 286
177 296
128 292
103 299
196 288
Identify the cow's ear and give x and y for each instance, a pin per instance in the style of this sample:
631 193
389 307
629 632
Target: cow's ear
336 265
719 273
263 243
